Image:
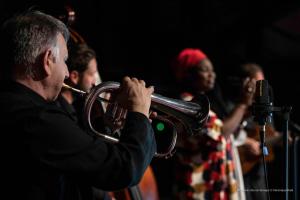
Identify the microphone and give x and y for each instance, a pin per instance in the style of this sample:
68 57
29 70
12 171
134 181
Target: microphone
262 106
262 110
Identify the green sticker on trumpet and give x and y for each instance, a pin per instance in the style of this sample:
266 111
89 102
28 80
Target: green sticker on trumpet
160 126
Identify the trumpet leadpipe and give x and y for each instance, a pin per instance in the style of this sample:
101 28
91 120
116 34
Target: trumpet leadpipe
83 93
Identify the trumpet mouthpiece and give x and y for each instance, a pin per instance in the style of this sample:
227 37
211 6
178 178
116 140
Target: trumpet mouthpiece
73 89
66 86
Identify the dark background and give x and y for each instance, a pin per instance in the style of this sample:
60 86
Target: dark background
141 38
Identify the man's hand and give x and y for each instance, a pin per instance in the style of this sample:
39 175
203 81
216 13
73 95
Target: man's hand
134 96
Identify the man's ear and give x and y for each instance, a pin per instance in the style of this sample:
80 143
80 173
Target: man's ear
48 60
74 77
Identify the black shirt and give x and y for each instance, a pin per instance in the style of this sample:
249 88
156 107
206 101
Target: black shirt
45 155
68 108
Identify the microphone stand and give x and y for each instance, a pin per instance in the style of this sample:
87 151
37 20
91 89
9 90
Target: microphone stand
296 130
296 163
286 116
262 113
285 111
266 111
264 150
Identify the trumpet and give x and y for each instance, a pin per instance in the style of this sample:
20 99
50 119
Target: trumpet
183 116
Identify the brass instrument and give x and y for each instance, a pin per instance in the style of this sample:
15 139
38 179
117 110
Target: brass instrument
188 117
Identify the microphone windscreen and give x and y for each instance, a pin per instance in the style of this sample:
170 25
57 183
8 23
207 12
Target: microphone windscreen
262 95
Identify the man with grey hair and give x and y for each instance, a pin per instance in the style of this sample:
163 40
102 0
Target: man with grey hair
44 154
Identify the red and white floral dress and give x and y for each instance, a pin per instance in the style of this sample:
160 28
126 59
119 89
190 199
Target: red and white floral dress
204 165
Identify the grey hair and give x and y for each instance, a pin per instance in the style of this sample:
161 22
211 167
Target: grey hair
28 36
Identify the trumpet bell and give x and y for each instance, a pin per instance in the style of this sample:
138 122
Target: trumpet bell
191 115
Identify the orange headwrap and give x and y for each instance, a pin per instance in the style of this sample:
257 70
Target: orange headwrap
187 59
